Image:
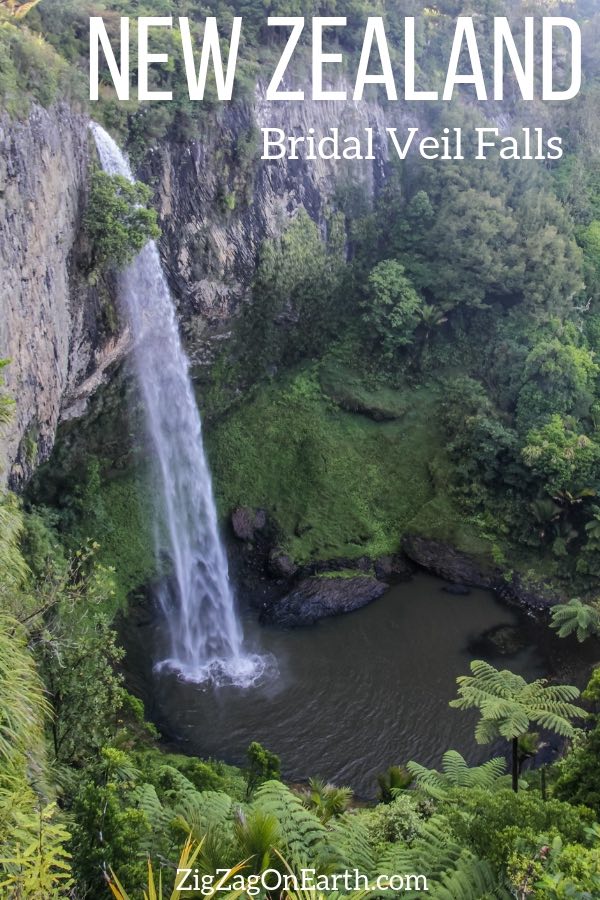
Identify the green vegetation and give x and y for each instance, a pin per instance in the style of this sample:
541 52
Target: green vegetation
508 705
117 220
430 367
337 484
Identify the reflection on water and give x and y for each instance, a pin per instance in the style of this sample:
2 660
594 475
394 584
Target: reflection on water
361 692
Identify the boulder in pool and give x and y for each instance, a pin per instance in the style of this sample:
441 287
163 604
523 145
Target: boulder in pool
318 598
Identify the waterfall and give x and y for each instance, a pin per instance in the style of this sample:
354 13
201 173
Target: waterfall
205 635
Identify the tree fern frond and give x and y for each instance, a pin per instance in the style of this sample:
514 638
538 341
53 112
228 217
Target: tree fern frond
301 830
349 845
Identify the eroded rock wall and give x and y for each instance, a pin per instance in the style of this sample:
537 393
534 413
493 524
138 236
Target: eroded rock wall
49 317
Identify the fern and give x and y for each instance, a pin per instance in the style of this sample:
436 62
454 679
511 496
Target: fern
349 847
457 773
452 872
508 705
471 879
575 617
301 831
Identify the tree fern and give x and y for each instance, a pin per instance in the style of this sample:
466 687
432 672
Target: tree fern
457 773
508 705
471 879
575 617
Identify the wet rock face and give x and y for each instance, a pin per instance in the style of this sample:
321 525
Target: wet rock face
448 563
394 569
318 598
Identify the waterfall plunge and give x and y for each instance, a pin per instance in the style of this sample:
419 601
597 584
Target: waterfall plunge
206 640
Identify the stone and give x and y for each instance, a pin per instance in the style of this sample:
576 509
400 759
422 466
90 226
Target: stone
246 521
448 563
393 568
281 565
460 569
319 598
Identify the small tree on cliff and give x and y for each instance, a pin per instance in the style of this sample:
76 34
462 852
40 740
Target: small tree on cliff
117 219
508 705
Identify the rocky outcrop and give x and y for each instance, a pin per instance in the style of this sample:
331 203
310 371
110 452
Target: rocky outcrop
447 562
51 320
318 598
393 569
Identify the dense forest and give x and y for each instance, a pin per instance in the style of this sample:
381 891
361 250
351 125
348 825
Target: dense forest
420 362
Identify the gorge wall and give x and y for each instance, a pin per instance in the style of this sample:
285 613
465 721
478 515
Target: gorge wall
51 324
217 202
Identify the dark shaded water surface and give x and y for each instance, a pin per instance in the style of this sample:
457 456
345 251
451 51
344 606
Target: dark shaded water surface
357 693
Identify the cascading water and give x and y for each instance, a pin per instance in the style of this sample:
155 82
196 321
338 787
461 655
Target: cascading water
206 640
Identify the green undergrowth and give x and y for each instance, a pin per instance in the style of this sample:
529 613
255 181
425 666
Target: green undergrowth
114 510
338 483
98 489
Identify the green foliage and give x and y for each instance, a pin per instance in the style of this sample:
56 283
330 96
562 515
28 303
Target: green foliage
452 869
456 772
301 830
493 825
337 483
563 458
23 705
18 9
396 779
392 308
297 301
401 820
575 617
117 220
34 862
262 766
559 379
507 706
578 779
326 800
30 69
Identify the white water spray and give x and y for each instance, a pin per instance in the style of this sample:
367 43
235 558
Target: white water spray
206 640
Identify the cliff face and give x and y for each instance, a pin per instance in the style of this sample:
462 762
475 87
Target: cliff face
50 320
217 202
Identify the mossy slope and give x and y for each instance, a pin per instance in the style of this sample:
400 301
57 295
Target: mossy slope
338 483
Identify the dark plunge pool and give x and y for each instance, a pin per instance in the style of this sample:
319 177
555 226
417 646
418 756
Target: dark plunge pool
357 693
